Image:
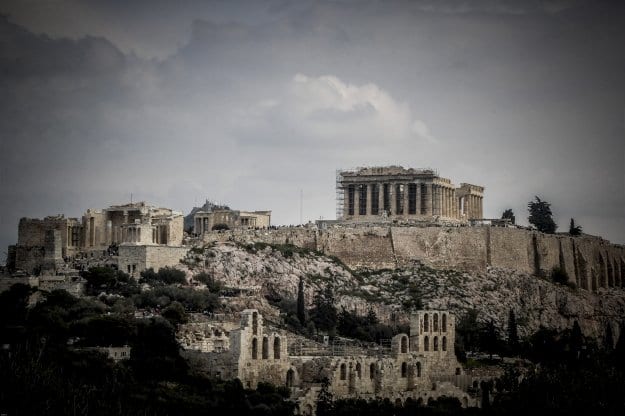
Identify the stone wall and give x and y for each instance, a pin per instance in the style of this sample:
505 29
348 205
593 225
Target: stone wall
590 262
135 258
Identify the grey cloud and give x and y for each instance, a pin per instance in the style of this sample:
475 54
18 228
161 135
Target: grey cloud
523 103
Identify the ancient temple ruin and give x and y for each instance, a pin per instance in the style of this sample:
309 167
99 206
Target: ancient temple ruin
371 193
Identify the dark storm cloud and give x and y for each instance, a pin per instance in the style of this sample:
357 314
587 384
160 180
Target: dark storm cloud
250 102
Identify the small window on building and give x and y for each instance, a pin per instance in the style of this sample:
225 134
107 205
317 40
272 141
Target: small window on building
265 352
371 371
426 344
290 378
276 348
418 369
426 323
435 322
343 371
358 370
444 343
435 343
404 345
444 324
254 349
404 370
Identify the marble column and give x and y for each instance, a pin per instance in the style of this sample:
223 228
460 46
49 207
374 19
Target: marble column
380 198
406 198
418 197
356 200
429 200
369 204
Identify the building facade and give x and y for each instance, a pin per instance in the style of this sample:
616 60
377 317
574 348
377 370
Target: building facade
418 366
204 221
372 193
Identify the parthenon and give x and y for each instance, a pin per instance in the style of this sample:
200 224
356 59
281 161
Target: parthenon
374 192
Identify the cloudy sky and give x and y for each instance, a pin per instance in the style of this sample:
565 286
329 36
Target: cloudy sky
250 103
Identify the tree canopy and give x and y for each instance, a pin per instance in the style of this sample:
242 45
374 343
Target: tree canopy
541 216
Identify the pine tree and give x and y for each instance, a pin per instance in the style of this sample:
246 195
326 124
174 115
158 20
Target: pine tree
574 229
513 336
508 214
541 216
301 303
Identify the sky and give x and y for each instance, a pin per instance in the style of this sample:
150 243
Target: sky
253 104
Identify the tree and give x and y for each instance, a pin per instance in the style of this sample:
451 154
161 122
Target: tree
175 313
324 312
508 214
541 216
574 229
324 399
513 336
301 303
609 338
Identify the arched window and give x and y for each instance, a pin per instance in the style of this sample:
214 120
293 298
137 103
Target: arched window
444 343
255 323
444 322
343 371
371 371
435 322
404 345
426 323
418 369
254 349
435 343
404 370
265 353
426 344
276 348
358 370
290 377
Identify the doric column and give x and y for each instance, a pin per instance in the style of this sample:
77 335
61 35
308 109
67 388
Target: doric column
356 200
429 200
392 195
418 197
406 197
380 198
369 202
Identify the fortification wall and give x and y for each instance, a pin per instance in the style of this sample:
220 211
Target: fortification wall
590 262
135 258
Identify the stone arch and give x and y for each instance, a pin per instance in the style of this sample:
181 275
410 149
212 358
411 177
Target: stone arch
343 371
254 348
435 344
290 378
371 371
426 343
358 370
404 370
426 323
404 345
435 322
444 346
418 369
265 349
255 323
444 322
276 348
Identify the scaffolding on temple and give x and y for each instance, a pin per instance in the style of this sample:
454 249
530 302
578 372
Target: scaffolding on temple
340 195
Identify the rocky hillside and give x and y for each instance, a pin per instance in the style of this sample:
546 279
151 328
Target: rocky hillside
274 271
